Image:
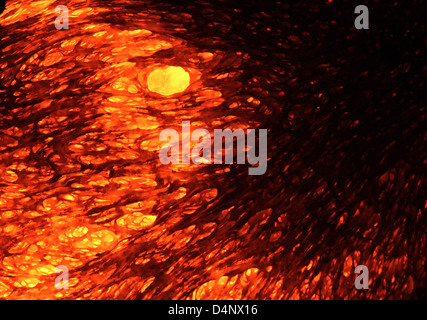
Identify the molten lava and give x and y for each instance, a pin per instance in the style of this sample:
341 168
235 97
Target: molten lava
81 184
168 80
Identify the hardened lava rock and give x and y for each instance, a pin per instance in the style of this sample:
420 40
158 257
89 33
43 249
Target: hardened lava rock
81 184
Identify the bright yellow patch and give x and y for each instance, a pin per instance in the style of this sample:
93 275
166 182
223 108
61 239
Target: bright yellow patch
168 80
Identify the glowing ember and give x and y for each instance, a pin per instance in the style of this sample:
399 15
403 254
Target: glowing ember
168 80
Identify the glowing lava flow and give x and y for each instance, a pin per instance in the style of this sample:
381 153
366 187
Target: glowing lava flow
81 184
89 185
